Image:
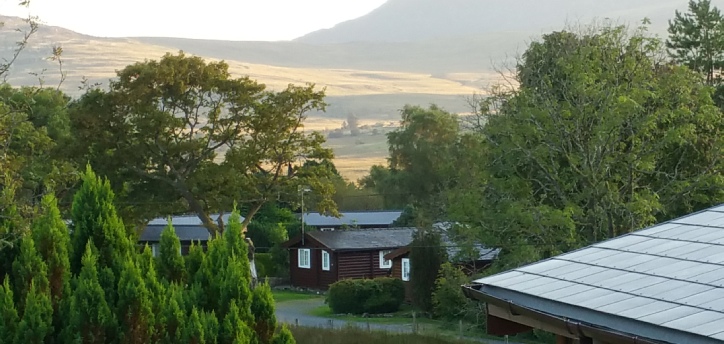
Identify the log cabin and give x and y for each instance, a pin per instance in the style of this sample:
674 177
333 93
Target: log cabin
320 258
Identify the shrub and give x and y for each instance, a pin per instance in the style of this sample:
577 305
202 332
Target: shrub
357 296
448 299
265 266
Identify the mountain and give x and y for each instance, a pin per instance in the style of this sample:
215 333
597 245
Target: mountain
421 20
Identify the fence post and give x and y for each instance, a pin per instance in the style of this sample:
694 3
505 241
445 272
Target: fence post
414 322
331 325
460 328
296 322
368 326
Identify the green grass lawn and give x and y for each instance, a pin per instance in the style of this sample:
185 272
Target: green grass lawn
288 295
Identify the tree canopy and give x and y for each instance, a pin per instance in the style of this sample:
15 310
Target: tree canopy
600 139
182 133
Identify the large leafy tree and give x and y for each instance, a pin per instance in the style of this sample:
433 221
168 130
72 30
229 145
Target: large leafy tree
420 163
696 39
600 139
184 133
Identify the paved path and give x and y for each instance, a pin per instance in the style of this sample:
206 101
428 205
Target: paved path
297 313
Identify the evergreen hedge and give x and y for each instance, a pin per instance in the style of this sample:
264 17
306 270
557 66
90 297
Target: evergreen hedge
358 296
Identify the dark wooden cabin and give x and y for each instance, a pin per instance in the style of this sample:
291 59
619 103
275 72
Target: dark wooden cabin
401 262
324 257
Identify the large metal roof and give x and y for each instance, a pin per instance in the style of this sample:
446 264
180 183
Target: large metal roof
362 218
664 282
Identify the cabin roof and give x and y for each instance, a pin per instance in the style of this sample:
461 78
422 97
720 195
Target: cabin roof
665 282
351 218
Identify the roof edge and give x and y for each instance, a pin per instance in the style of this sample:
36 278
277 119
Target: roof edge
583 328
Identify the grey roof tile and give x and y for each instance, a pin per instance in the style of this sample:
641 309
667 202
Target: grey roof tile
669 277
361 239
361 218
152 233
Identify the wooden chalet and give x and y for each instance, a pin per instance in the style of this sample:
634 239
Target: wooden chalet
472 261
320 258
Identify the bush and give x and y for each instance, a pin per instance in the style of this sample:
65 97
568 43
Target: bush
357 296
265 266
448 299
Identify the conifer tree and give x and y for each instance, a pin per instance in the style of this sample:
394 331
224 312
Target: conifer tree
193 261
8 314
91 320
173 316
211 327
262 309
428 255
52 240
235 326
284 336
170 262
36 323
235 288
95 219
134 306
29 268
193 332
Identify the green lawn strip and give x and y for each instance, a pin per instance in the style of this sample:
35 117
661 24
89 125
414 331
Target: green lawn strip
426 326
286 295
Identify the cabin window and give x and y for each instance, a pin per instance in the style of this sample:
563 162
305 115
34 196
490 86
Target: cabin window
405 269
154 250
384 263
325 260
304 258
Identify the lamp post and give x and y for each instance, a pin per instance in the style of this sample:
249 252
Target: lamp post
302 190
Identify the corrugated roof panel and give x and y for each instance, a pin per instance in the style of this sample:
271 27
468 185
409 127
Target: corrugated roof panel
713 236
710 276
606 299
546 286
650 308
701 219
705 299
623 242
638 283
624 305
656 229
678 312
576 299
573 275
571 290
712 327
684 232
700 255
600 278
663 246
686 248
523 282
545 266
695 320
499 277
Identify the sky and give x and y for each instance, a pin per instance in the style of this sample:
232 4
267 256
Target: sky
240 20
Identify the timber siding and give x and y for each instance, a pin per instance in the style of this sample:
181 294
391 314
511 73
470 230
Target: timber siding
397 273
353 254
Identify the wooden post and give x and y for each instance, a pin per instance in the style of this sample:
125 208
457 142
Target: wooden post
460 328
414 322
331 325
296 322
368 326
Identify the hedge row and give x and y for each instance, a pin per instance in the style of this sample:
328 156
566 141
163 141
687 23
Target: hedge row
358 296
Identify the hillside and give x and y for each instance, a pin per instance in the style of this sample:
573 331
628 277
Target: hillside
421 20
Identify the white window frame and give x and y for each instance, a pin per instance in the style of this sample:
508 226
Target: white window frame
155 249
405 272
384 263
304 258
326 264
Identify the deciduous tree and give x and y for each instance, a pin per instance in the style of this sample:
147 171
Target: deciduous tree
183 129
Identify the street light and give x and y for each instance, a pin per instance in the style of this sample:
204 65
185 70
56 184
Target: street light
302 190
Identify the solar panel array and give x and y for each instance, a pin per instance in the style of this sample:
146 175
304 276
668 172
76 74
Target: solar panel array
670 275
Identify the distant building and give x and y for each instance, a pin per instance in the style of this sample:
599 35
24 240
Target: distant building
662 284
352 219
189 228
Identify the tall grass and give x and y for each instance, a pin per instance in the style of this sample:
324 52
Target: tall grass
353 335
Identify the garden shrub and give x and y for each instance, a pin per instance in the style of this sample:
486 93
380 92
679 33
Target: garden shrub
358 296
265 266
